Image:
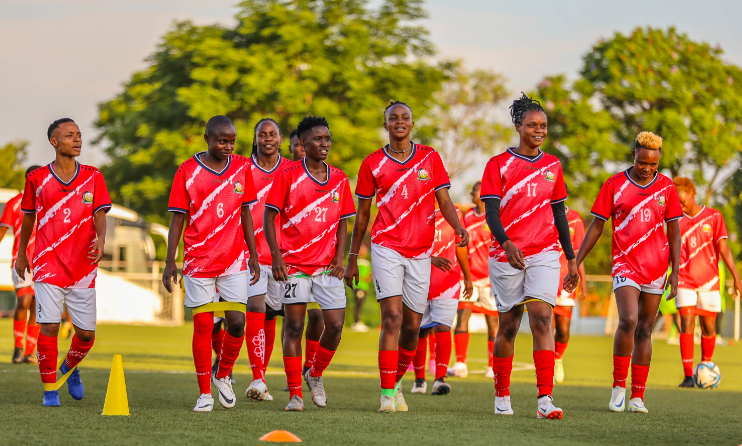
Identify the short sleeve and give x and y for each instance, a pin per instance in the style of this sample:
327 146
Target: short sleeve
348 208
579 233
278 195
8 217
440 175
720 228
28 204
603 206
673 210
366 185
559 193
249 195
179 201
491 181
101 197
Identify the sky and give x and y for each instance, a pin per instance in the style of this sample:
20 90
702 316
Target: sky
63 58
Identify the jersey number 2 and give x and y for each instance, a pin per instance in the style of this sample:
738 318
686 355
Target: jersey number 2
67 213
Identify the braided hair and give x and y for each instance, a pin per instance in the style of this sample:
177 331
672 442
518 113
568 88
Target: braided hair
523 105
393 103
309 123
255 133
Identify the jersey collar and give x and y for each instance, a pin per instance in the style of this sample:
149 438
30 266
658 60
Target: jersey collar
656 175
278 163
77 172
304 165
525 158
200 163
412 155
703 208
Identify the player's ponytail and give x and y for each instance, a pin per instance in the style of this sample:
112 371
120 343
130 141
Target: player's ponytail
255 134
523 105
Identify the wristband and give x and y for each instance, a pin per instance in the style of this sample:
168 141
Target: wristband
352 254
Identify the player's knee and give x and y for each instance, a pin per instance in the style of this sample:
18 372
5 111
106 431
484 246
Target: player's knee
333 330
314 316
643 332
392 320
293 329
236 330
540 323
627 323
85 336
508 332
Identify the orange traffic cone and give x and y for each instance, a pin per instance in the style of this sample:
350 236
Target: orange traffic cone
281 437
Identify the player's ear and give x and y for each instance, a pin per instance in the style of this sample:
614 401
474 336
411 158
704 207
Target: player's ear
206 138
386 127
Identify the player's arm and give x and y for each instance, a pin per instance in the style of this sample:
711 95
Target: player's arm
448 210
336 267
248 231
462 255
728 258
280 272
512 252
96 252
3 230
565 239
591 238
173 240
21 264
583 283
363 214
441 263
673 236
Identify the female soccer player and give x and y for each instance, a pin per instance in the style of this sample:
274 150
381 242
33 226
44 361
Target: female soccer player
406 178
703 237
523 191
313 200
640 201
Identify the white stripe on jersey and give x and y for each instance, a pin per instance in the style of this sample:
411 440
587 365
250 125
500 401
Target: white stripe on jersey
707 286
234 268
695 253
694 227
313 241
264 191
53 210
519 185
392 190
87 280
638 208
425 255
641 240
299 180
63 238
196 171
620 191
378 168
293 221
438 253
478 245
402 216
529 212
213 195
46 180
476 225
213 233
504 168
449 293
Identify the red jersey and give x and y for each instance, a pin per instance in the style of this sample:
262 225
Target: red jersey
13 218
405 196
263 179
480 239
310 212
640 248
65 228
699 250
213 240
526 188
576 234
445 285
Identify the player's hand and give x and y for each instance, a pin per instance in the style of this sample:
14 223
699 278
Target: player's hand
572 278
515 255
22 265
468 289
280 272
583 290
673 284
442 263
336 267
464 236
170 276
351 272
738 288
96 252
254 267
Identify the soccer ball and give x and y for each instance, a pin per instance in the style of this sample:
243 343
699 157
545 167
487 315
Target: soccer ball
706 375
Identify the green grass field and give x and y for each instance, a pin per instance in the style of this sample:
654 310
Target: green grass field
162 391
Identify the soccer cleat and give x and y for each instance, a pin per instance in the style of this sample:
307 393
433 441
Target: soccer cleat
30 359
502 405
257 390
226 394
267 396
558 371
489 373
359 327
399 399
440 387
460 370
420 386
296 404
547 409
637 405
74 383
51 398
618 399
687 382
205 403
17 355
317 387
388 404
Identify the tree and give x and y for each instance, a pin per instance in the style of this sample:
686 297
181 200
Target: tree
12 172
284 59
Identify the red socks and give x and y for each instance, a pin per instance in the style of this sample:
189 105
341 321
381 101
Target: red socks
309 350
216 342
255 342
707 346
203 326
639 375
32 336
19 329
502 367
321 360
462 346
420 355
560 348
686 353
544 361
443 353
78 351
620 370
230 351
490 352
292 365
47 354
405 358
270 339
388 367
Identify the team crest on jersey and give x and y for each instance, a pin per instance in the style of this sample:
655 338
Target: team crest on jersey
661 199
549 175
238 187
486 227
335 197
87 197
423 175
571 231
707 228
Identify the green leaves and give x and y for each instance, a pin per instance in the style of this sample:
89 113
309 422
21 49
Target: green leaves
12 172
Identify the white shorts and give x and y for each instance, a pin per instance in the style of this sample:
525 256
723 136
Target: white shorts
396 275
439 312
705 300
565 299
19 283
656 287
216 299
326 290
482 296
266 285
202 290
539 280
80 304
